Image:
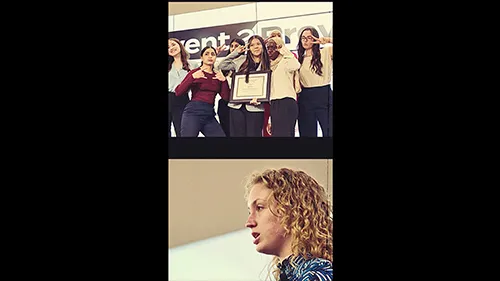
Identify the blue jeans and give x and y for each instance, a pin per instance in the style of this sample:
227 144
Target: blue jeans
199 117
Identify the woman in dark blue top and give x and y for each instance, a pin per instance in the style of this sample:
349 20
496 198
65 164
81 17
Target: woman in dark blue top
291 218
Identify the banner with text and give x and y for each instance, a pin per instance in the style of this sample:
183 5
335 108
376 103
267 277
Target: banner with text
194 40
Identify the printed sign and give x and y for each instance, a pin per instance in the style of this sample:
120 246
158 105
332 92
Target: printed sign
195 40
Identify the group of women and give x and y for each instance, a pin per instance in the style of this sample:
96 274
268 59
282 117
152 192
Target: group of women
300 88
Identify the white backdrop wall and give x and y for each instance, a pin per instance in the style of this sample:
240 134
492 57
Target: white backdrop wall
229 257
289 17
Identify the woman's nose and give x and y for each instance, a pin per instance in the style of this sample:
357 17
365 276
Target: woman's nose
250 222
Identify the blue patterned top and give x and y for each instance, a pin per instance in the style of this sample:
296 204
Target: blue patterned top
315 269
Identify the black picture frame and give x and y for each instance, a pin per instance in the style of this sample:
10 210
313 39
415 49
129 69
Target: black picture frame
262 96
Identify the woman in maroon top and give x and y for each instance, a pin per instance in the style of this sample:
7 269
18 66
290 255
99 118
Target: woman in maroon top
205 84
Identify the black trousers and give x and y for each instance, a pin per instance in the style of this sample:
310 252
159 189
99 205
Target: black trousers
199 116
176 106
316 105
244 123
223 112
284 113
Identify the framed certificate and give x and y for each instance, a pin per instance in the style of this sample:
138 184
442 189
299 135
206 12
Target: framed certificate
258 86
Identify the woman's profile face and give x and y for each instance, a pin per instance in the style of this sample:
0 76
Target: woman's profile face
268 234
173 48
208 57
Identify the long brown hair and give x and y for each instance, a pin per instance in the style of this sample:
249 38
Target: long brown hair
316 63
249 64
184 56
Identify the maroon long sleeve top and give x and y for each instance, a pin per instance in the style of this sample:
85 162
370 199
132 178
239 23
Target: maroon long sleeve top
203 89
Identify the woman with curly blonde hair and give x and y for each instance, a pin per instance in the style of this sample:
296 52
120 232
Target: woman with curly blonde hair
291 218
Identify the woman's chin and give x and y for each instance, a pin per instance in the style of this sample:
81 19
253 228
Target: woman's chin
263 250
260 249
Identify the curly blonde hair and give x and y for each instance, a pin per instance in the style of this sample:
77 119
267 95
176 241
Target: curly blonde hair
304 210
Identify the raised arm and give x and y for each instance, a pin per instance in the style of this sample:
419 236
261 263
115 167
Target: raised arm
224 87
290 62
227 63
216 65
185 85
329 49
325 40
225 91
